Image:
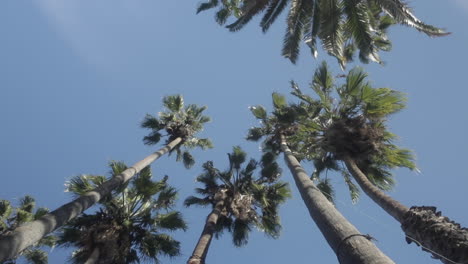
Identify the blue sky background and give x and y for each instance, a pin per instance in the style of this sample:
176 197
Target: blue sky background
77 78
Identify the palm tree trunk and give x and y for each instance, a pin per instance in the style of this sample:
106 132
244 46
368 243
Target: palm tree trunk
203 244
390 205
445 239
31 232
349 245
94 257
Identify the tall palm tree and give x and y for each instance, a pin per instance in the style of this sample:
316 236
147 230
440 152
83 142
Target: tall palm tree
239 200
128 225
349 245
348 134
341 25
181 125
11 217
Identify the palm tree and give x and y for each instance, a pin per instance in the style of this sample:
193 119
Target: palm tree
181 125
341 25
349 245
128 225
348 134
239 200
10 218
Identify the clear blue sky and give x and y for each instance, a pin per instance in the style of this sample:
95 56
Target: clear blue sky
77 78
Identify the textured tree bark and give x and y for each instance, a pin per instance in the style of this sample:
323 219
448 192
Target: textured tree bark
203 244
423 225
427 227
94 257
349 245
29 233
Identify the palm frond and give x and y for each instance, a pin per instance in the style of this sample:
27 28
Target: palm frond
153 138
151 122
222 15
326 188
382 102
27 203
258 111
49 241
167 245
275 7
188 159
40 212
331 29
359 24
193 200
82 184
35 256
237 157
173 103
166 198
249 10
255 134
353 189
279 101
403 14
240 233
5 209
299 16
207 5
312 29
171 221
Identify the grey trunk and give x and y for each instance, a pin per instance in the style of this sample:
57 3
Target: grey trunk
349 245
29 233
203 244
94 257
423 225
390 205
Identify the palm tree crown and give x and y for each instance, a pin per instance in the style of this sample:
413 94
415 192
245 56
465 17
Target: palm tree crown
178 122
325 130
353 125
10 218
128 227
341 25
249 200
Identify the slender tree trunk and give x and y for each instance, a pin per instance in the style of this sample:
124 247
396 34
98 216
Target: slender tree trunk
349 245
445 239
94 257
390 205
31 232
203 244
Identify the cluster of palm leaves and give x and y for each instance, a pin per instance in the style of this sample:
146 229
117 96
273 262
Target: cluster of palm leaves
179 122
240 199
129 225
342 26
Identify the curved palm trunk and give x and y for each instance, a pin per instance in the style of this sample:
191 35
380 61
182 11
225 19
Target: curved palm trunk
94 257
349 245
391 206
31 232
201 249
447 240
